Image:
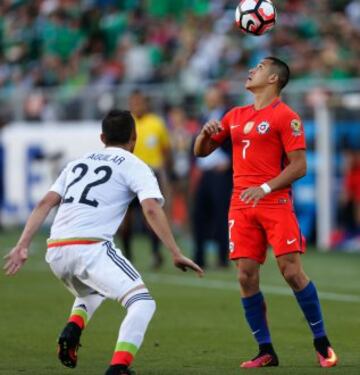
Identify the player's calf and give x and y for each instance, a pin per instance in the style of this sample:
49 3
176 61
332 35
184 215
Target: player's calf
140 309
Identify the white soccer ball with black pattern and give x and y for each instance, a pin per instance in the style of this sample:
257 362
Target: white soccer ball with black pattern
255 16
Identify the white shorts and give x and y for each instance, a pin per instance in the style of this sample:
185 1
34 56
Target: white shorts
93 268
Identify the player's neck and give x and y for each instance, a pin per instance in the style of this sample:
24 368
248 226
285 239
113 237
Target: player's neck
263 99
124 146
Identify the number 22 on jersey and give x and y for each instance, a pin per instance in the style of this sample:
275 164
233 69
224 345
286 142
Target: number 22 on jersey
103 170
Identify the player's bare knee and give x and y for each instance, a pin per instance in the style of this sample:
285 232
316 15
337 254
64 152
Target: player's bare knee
293 276
247 279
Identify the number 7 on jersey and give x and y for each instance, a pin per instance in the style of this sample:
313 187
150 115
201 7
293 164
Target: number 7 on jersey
246 144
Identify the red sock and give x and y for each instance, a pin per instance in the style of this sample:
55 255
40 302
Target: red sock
78 320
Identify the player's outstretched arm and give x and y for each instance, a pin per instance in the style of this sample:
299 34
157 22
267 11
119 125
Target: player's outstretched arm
16 258
204 145
157 220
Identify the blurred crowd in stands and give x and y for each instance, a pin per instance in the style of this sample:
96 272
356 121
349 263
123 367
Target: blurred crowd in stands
74 43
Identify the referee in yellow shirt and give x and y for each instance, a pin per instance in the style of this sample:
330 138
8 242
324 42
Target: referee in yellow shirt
153 147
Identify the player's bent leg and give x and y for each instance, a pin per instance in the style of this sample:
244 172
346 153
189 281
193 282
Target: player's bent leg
69 339
248 276
291 268
140 309
255 312
306 295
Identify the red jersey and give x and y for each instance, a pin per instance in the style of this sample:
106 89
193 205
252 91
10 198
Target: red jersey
261 139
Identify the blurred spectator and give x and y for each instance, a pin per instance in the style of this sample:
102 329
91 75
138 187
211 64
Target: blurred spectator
182 131
213 192
137 60
351 193
37 109
153 147
353 13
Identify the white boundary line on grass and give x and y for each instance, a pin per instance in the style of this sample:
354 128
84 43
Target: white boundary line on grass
228 285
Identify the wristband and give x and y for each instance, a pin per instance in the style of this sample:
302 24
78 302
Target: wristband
266 188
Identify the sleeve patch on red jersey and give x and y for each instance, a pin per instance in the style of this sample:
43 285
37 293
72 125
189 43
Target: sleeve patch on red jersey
296 127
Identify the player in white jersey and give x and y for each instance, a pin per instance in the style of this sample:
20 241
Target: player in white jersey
93 194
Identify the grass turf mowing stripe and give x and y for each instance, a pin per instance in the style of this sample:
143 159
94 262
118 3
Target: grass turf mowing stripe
227 285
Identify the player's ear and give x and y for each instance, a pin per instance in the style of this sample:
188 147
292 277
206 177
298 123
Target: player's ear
103 138
273 78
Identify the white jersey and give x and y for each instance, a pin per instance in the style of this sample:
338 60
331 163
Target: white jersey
96 191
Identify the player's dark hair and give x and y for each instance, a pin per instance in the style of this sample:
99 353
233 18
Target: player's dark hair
118 126
281 69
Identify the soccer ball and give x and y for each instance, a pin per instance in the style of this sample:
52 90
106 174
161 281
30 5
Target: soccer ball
255 16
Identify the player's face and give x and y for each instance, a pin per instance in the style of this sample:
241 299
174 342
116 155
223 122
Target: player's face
259 76
137 105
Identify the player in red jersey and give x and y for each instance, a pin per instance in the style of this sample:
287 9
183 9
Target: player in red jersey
268 156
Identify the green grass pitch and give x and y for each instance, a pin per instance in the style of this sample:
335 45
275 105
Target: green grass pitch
198 328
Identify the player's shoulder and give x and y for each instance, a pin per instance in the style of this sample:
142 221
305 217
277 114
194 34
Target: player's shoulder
134 164
236 110
286 117
137 170
284 109
155 119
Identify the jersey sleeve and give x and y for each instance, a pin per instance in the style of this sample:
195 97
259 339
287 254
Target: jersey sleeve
292 131
225 133
143 183
59 186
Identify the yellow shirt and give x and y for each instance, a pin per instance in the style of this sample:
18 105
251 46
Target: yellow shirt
152 139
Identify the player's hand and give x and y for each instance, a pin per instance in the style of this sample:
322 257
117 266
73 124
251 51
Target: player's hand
182 262
211 127
252 195
15 259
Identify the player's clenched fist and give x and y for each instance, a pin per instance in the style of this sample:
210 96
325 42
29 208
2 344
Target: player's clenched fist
211 127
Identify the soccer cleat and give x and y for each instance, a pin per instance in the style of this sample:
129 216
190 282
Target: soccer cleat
119 370
262 360
329 361
324 352
68 345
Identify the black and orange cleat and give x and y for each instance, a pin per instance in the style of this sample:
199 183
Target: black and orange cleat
325 353
119 370
261 360
68 345
266 358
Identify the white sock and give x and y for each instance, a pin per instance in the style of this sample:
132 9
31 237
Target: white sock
84 308
140 309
